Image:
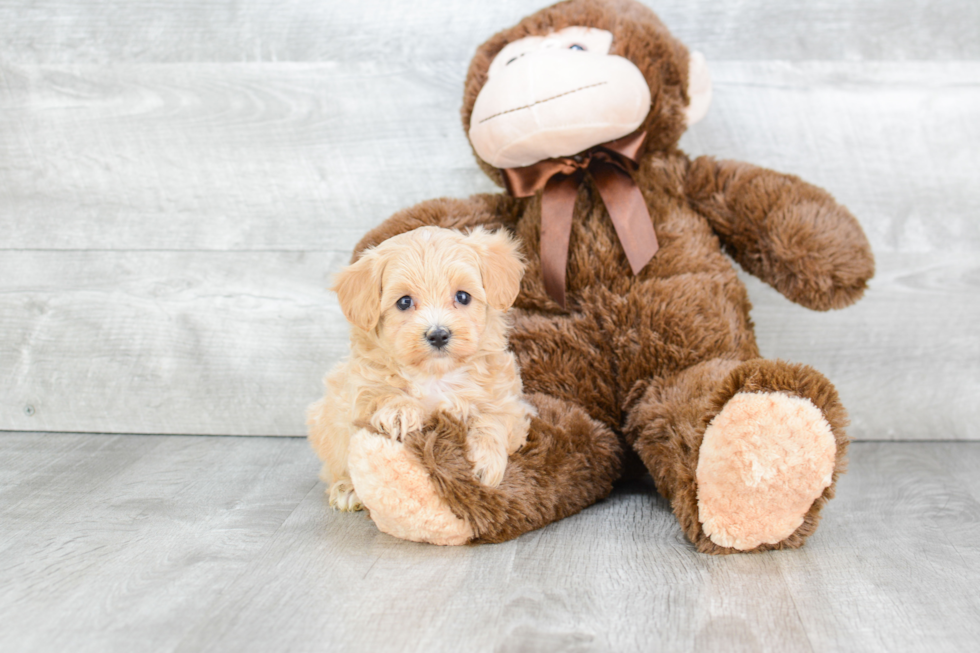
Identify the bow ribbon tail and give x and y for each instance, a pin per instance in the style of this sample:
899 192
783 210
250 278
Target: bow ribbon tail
628 211
557 207
610 165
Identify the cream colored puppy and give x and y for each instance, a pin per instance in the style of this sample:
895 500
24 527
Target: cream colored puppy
428 333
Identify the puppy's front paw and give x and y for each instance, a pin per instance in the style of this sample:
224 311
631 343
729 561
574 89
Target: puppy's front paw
343 497
398 419
488 465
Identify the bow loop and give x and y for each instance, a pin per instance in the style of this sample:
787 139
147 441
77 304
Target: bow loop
611 166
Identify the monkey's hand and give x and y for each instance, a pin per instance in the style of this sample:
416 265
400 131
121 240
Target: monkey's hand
789 233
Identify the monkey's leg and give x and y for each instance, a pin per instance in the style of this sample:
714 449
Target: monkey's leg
746 452
569 462
423 488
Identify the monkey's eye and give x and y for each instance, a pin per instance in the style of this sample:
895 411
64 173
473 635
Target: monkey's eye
576 46
404 303
463 297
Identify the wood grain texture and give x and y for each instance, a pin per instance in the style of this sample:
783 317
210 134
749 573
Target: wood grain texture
62 31
905 359
149 543
115 543
895 143
179 179
166 342
223 157
292 156
237 342
913 519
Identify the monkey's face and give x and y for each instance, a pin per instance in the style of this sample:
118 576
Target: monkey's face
556 95
559 94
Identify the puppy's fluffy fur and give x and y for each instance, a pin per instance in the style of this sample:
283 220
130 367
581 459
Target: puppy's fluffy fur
428 332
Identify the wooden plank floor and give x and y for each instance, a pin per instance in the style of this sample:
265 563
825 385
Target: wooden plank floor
182 543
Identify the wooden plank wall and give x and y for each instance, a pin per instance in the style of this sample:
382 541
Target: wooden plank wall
179 179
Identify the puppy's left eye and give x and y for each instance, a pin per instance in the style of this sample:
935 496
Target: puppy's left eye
576 46
404 303
463 297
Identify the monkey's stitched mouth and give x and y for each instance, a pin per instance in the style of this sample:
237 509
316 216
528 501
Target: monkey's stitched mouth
537 102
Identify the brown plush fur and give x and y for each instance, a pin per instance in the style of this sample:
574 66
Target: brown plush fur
650 358
568 463
668 422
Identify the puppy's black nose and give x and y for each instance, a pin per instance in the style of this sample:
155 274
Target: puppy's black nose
438 337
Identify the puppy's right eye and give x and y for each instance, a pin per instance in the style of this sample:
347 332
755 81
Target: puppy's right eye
404 303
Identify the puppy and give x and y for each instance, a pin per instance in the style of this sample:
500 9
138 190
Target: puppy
428 333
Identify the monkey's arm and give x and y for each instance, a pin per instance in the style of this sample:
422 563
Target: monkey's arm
789 233
490 210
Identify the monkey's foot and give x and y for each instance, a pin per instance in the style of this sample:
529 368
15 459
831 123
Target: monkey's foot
765 458
399 493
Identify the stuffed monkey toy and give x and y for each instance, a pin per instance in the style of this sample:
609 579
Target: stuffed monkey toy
631 329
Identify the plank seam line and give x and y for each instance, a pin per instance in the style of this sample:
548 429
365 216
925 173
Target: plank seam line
181 251
42 432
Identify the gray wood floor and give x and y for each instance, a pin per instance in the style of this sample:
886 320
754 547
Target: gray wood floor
179 543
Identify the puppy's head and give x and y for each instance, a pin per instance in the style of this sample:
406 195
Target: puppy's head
433 297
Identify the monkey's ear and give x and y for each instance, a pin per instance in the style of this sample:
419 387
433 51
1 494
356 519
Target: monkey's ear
358 287
501 266
698 88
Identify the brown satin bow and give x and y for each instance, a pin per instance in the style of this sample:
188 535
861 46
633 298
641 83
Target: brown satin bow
610 165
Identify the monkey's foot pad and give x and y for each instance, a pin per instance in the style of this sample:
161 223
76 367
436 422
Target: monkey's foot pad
764 460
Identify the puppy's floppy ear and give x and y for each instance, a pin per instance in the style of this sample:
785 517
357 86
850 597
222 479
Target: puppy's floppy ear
358 287
501 265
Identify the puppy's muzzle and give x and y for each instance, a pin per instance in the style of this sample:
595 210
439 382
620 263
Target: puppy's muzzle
438 337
